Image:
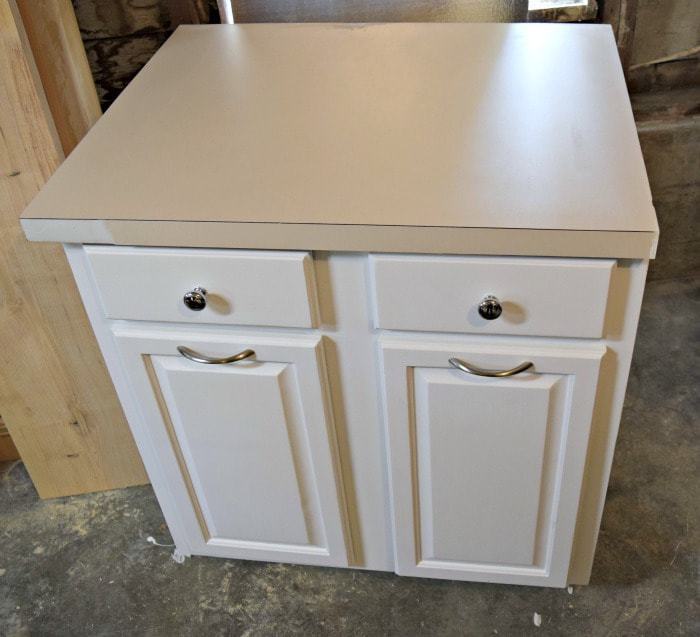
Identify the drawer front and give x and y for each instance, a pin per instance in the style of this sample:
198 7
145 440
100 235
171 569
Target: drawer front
242 287
538 296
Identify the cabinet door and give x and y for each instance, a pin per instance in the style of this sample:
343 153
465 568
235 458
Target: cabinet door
247 449
486 472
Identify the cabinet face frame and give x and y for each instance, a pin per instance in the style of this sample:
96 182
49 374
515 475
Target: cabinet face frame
140 350
580 365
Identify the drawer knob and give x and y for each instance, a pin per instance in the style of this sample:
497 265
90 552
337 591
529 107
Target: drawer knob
196 299
490 308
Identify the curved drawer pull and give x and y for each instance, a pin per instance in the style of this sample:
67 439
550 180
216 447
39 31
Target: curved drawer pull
210 360
492 373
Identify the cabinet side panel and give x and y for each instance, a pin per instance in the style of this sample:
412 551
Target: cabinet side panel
167 498
624 304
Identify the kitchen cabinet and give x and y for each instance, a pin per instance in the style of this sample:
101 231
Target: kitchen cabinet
367 309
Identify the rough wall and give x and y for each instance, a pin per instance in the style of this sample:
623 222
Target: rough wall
120 36
380 10
666 102
665 27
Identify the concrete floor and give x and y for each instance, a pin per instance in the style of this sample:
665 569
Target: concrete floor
82 565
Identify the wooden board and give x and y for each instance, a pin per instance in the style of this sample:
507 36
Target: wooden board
8 451
367 127
57 399
65 75
621 15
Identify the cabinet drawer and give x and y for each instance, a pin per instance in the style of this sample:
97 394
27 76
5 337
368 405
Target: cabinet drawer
242 287
538 296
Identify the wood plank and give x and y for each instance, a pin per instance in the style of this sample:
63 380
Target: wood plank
57 400
8 451
63 67
621 15
625 32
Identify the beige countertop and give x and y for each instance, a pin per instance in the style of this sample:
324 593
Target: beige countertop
466 138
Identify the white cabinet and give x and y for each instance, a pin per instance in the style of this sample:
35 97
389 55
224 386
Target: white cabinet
486 471
356 442
438 206
248 448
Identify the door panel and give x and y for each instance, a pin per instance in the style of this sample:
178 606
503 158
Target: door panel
468 431
214 408
486 472
248 447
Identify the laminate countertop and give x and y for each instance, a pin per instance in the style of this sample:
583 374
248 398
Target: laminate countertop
440 138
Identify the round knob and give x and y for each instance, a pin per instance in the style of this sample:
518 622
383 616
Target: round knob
490 308
195 299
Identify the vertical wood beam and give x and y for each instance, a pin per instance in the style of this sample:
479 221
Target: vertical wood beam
625 31
56 398
621 15
54 37
8 451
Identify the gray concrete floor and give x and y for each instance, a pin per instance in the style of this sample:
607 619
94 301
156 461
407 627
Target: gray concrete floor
82 565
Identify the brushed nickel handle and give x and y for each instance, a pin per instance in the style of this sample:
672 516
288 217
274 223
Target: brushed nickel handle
196 299
491 373
210 360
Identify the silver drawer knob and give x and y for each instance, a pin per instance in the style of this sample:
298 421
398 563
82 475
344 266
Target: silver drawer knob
195 299
490 308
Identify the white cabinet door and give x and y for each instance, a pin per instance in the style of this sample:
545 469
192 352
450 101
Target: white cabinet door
247 449
486 472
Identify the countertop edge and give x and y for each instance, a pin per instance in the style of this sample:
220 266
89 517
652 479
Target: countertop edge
347 238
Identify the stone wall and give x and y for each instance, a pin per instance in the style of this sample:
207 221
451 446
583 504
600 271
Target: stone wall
120 36
380 10
665 27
